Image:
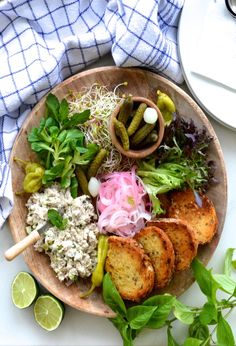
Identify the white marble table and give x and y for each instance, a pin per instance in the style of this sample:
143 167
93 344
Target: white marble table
17 327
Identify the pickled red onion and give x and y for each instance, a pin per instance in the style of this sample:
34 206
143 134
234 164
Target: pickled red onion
121 204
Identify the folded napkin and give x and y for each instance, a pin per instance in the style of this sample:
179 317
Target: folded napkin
43 42
215 55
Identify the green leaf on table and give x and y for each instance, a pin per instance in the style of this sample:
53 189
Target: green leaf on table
53 105
164 304
124 329
208 314
192 342
77 119
228 261
138 316
159 299
183 313
224 333
170 339
205 280
199 331
56 219
112 297
226 283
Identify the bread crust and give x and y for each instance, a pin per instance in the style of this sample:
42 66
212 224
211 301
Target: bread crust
159 248
203 220
183 239
130 268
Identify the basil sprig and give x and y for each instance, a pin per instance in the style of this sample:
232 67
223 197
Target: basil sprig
207 325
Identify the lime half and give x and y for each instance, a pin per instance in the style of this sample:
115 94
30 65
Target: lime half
24 290
48 312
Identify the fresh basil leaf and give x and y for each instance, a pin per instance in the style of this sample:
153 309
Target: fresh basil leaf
199 331
159 300
63 111
53 105
138 316
164 305
208 314
224 333
205 280
76 119
112 297
225 283
124 329
40 146
170 339
183 313
192 342
228 261
56 219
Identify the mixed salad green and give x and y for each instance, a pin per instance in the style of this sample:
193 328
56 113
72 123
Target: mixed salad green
180 162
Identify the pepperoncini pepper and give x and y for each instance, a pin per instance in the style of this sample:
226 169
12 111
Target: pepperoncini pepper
33 175
98 273
166 106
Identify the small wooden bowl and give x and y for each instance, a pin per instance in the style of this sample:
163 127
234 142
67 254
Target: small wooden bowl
138 154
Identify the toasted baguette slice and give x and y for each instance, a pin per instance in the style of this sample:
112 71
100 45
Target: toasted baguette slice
159 248
182 238
203 220
130 268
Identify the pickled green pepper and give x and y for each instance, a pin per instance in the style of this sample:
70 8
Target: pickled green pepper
98 273
34 173
166 106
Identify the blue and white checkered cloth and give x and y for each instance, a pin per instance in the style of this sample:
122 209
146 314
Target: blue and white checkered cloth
43 42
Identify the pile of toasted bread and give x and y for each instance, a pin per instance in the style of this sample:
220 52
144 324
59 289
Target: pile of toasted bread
168 244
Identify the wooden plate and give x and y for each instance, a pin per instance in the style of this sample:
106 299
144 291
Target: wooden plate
140 83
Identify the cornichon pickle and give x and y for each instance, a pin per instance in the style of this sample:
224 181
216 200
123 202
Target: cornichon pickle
96 163
150 139
166 106
126 110
141 134
136 119
83 182
122 133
